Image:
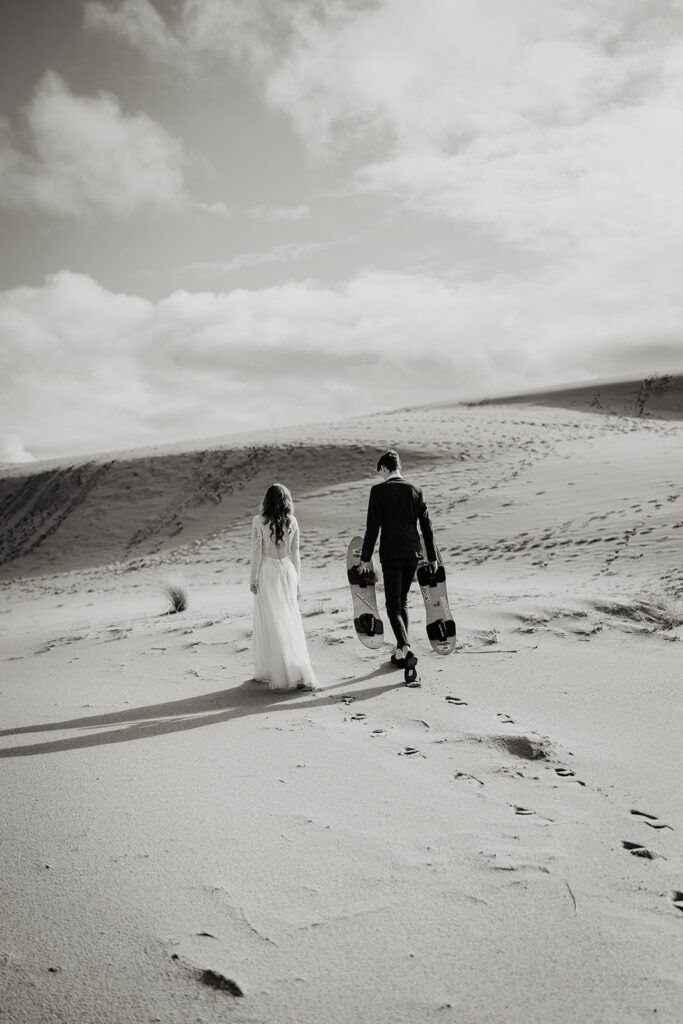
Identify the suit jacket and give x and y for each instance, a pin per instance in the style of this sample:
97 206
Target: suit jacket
395 507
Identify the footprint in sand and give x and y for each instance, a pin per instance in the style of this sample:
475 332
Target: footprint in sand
345 698
650 819
218 981
466 775
677 899
457 701
638 850
505 719
408 751
505 769
528 811
567 773
525 747
378 732
360 717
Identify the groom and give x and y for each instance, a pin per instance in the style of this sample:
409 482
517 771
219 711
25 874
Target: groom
395 507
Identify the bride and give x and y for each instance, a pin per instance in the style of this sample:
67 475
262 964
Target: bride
279 646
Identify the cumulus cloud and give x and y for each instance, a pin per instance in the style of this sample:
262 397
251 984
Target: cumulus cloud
198 30
546 124
13 449
460 69
83 366
80 154
139 23
542 123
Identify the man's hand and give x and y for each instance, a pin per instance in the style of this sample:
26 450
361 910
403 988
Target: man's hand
433 566
365 567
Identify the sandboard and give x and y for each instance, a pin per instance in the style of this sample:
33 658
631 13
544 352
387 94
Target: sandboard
440 624
366 617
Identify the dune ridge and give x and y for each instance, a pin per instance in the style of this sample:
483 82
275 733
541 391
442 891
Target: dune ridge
658 395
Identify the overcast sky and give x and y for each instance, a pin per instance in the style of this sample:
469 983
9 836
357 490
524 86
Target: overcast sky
218 215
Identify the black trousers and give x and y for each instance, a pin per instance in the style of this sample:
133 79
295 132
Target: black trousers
398 577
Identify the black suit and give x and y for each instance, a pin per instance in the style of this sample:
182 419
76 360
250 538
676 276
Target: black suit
395 508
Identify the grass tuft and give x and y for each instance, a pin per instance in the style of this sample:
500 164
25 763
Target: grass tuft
654 612
314 609
176 592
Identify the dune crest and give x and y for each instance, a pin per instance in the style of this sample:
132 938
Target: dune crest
657 396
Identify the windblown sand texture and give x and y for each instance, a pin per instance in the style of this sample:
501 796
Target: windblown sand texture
502 845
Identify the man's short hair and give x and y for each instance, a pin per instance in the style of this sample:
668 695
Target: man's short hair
390 461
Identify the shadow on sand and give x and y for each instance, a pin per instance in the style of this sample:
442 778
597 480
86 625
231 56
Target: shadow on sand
248 698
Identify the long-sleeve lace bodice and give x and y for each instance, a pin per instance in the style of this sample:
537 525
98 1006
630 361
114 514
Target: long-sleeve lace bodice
280 651
263 546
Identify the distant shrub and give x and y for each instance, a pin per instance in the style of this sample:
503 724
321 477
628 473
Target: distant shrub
176 592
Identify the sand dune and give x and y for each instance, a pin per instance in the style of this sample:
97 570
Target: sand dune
539 489
659 395
106 510
502 845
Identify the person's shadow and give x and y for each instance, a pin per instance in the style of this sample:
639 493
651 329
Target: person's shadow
247 698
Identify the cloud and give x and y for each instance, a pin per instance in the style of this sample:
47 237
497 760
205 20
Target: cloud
137 22
548 125
461 70
13 449
83 367
281 214
609 180
81 154
198 31
543 123
216 209
289 252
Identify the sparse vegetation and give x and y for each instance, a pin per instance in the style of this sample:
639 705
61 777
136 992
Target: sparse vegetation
176 592
652 612
651 386
486 637
314 609
533 618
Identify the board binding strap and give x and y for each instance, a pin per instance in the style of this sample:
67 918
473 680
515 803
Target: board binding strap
440 631
369 625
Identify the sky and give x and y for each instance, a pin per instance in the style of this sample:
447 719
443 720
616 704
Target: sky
226 215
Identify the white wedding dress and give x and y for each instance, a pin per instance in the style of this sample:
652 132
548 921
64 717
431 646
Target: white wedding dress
279 645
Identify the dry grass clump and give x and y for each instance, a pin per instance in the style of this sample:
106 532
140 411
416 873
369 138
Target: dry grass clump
486 637
177 592
314 609
533 618
652 612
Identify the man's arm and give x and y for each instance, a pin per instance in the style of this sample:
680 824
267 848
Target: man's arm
372 527
426 527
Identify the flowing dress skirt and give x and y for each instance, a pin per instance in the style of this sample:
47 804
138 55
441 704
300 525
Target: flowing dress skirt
279 645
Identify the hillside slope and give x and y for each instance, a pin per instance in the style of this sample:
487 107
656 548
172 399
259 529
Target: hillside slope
522 495
654 396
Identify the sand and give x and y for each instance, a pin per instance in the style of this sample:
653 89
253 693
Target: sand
367 852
